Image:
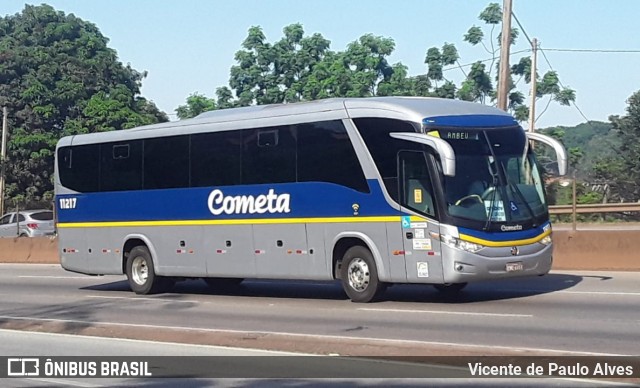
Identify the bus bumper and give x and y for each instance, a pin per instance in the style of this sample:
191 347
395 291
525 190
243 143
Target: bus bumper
496 263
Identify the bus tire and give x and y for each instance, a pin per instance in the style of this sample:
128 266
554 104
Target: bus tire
359 275
450 288
141 273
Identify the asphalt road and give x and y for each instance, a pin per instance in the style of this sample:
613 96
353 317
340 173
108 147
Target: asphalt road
203 361
577 313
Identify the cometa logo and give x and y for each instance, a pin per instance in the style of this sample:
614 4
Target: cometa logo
510 228
248 204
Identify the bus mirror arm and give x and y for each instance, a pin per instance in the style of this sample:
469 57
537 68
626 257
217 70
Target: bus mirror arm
444 150
561 152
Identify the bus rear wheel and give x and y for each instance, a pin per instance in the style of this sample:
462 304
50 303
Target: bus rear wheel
359 275
141 273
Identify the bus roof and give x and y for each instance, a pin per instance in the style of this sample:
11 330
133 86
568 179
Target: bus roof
417 109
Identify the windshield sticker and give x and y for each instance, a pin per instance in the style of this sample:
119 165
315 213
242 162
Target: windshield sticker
514 207
406 221
497 212
417 196
421 244
423 269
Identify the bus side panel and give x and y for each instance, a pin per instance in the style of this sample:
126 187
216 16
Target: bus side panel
397 270
103 257
423 252
319 263
178 249
228 251
73 256
281 250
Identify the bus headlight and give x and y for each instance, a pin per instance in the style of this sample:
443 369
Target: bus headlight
454 242
546 240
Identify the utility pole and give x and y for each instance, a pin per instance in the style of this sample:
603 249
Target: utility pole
3 153
534 65
505 45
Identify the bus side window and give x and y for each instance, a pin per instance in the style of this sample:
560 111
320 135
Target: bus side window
268 155
215 158
416 186
166 162
121 166
325 154
78 167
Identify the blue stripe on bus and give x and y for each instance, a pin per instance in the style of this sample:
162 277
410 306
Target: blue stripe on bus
470 121
506 236
306 200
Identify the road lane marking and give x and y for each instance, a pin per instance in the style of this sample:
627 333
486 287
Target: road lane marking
186 345
64 382
53 277
318 336
158 299
551 292
445 312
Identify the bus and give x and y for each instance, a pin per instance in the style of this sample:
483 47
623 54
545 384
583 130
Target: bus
365 191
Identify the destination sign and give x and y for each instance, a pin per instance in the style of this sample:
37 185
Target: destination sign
459 135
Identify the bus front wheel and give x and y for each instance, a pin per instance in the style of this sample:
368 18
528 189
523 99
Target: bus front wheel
359 275
141 274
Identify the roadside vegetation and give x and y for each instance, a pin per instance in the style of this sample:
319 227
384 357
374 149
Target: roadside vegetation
59 77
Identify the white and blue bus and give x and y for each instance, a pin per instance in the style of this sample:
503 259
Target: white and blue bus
368 191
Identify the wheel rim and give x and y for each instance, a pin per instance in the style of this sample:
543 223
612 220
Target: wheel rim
139 270
358 274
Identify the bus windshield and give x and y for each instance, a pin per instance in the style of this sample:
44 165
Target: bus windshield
497 179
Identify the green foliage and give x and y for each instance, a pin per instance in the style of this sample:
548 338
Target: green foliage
58 77
196 104
492 14
478 85
622 169
302 68
589 145
474 35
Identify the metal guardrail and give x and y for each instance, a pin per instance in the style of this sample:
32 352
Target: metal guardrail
596 208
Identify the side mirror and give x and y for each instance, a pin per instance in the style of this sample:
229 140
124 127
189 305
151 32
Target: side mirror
561 153
442 148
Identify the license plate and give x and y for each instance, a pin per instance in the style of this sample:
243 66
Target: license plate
512 267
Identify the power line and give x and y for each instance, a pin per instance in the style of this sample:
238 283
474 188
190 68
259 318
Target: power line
550 67
560 82
522 28
453 67
609 51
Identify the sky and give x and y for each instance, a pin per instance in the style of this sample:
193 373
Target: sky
188 46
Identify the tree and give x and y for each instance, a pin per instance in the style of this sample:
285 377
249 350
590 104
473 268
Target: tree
623 169
196 104
299 68
268 73
58 77
478 84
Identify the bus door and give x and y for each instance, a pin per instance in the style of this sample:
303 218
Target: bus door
420 234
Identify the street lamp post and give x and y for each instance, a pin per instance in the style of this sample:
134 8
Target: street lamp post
565 183
573 199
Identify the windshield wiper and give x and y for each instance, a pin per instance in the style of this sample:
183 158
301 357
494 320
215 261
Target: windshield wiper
494 183
514 189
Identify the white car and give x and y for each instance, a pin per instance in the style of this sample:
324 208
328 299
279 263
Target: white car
27 223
